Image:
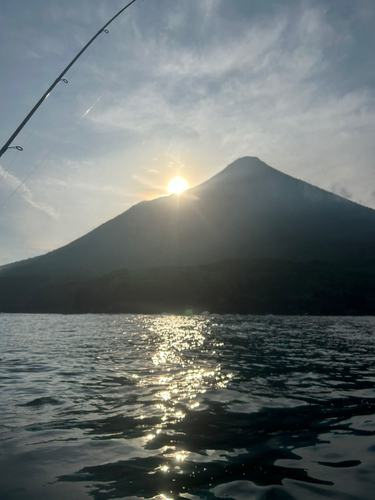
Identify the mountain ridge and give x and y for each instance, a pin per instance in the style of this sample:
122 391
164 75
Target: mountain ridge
249 209
249 240
229 170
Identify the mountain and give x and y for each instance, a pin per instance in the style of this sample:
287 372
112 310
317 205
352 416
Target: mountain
244 286
247 211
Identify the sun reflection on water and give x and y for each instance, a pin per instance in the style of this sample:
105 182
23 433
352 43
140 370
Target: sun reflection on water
185 366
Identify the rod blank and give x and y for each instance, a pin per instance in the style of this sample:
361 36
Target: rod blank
7 145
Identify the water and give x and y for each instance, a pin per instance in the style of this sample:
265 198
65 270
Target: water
203 407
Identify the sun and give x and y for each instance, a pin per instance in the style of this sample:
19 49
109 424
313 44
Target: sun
177 185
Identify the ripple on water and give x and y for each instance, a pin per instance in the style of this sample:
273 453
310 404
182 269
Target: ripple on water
132 406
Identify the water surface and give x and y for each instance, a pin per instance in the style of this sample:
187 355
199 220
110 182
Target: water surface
170 407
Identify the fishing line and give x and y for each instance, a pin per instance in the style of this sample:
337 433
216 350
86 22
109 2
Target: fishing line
71 75
53 149
60 78
76 69
11 163
47 94
55 96
120 20
96 45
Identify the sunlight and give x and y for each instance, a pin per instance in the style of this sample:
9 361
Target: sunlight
177 185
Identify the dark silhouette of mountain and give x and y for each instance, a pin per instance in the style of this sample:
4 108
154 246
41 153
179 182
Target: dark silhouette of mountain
247 211
244 286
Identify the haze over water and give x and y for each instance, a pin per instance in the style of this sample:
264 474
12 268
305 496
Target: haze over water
136 406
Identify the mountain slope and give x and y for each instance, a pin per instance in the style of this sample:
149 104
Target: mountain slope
247 210
244 286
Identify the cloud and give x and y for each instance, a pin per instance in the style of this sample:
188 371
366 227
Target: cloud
83 186
13 182
55 182
195 85
261 89
152 189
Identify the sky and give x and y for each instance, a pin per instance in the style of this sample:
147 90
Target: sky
177 88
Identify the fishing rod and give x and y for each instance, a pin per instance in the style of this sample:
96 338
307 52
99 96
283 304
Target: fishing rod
59 79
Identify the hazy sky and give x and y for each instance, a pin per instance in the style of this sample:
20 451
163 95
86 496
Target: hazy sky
184 88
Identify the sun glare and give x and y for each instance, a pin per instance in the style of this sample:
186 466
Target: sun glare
177 186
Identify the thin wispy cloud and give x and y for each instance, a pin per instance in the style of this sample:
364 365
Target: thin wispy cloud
259 92
15 184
